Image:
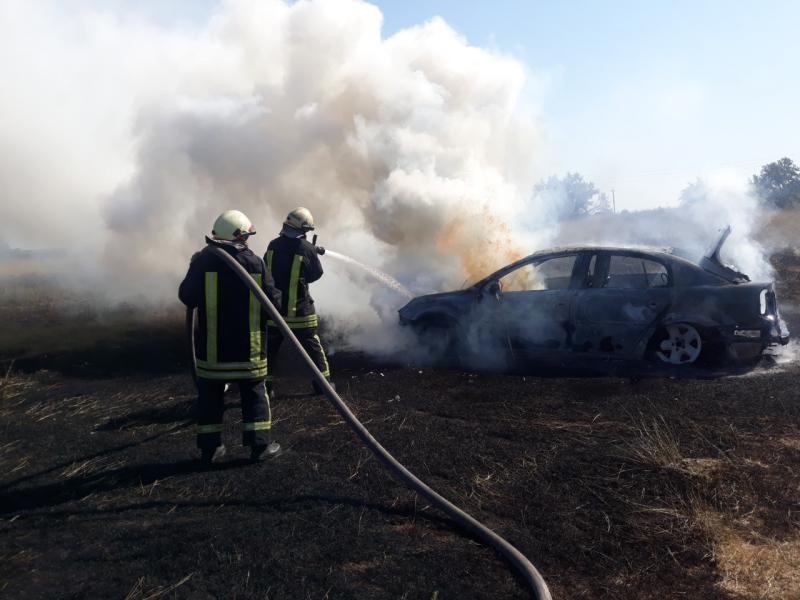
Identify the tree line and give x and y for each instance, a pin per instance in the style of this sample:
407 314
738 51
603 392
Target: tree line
572 196
776 186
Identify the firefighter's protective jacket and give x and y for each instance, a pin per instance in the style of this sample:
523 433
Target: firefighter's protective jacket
231 339
294 263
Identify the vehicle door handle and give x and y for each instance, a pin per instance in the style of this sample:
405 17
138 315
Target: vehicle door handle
653 304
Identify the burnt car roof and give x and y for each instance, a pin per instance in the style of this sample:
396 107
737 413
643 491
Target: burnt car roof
665 253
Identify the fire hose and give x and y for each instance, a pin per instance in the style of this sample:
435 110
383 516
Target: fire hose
523 566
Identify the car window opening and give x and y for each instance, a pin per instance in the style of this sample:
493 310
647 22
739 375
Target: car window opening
552 274
634 273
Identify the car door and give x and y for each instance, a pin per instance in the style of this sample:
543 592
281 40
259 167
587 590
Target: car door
534 303
622 296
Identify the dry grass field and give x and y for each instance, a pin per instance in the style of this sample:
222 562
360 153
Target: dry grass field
660 487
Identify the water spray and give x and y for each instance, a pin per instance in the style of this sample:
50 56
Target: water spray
523 566
376 274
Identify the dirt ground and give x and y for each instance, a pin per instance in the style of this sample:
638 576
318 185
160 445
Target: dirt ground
662 487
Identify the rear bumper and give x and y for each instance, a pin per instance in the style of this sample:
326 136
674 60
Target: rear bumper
771 330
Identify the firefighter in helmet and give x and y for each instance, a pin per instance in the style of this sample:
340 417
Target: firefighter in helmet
230 344
294 263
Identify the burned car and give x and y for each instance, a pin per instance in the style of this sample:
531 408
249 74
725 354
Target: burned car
586 302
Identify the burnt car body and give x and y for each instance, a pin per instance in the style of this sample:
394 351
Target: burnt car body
600 302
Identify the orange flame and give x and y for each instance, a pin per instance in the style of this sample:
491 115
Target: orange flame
482 245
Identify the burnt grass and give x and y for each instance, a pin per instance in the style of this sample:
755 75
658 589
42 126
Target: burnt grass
100 496
605 483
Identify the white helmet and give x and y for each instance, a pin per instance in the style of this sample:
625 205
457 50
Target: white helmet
300 218
233 225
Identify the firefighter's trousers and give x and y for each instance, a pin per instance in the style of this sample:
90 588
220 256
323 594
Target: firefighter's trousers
256 413
308 339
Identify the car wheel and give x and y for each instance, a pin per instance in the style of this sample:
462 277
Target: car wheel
437 338
679 344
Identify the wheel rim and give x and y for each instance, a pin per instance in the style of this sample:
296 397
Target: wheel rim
682 345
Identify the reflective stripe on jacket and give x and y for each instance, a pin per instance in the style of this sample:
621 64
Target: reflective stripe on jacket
294 264
230 343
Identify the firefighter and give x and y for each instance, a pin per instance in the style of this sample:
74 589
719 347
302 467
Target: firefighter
230 344
294 263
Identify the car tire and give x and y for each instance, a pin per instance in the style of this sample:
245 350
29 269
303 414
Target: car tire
438 339
681 345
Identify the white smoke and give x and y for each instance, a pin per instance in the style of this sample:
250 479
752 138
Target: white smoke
121 140
729 200
719 199
126 139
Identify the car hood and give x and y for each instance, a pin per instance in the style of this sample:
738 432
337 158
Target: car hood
712 263
445 302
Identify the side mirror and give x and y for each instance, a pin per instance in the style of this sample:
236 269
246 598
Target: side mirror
495 289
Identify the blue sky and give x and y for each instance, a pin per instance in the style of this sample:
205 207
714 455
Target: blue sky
641 97
645 96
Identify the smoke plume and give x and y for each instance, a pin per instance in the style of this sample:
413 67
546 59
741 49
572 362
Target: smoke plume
124 140
121 140
721 199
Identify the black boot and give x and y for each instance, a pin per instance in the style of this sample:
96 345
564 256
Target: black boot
212 455
259 453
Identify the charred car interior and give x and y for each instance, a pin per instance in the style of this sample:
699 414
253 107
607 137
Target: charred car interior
599 302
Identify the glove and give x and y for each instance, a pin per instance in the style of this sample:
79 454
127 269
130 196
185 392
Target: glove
320 250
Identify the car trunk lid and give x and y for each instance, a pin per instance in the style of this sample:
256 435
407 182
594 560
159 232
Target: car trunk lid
712 263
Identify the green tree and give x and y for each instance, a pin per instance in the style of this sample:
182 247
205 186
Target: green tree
778 184
572 195
694 193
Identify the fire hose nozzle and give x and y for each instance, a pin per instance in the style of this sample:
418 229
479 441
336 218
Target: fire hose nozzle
320 250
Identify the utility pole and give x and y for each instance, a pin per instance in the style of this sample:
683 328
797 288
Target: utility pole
613 202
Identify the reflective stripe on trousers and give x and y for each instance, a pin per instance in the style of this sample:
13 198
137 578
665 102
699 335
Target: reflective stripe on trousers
327 372
213 428
257 426
210 408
